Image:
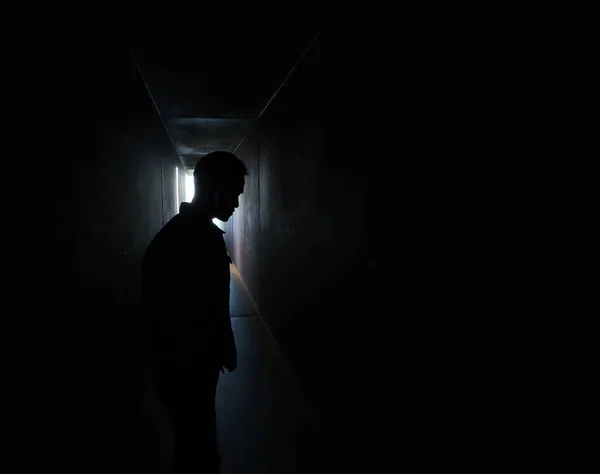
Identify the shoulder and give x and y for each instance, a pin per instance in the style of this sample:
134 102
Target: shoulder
181 234
163 240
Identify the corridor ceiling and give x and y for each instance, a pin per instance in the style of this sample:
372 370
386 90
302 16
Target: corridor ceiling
211 82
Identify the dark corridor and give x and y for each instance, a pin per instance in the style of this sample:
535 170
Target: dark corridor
394 252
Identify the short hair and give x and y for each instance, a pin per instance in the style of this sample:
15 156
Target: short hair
220 169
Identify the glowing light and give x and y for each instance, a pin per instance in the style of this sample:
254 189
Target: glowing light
218 223
176 190
189 188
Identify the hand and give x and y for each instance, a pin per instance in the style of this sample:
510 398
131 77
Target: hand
230 363
229 369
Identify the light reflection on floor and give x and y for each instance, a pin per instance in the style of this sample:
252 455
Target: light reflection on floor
265 425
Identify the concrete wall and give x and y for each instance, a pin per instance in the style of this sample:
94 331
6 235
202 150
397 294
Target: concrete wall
388 236
99 168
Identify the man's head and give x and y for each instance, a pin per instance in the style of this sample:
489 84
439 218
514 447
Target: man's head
219 181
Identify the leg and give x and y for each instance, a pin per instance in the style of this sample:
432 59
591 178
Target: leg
188 391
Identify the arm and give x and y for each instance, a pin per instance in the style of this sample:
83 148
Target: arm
230 349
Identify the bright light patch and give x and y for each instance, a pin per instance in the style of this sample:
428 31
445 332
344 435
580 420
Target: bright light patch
176 190
189 188
218 223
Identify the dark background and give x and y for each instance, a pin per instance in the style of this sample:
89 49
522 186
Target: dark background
399 230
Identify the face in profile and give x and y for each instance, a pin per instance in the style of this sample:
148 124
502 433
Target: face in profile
227 201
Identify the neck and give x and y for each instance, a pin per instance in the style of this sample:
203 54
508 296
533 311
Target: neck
201 208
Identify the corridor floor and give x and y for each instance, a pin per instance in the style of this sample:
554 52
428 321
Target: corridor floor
265 425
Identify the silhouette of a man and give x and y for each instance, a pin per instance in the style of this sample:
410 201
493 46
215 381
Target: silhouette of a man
185 296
